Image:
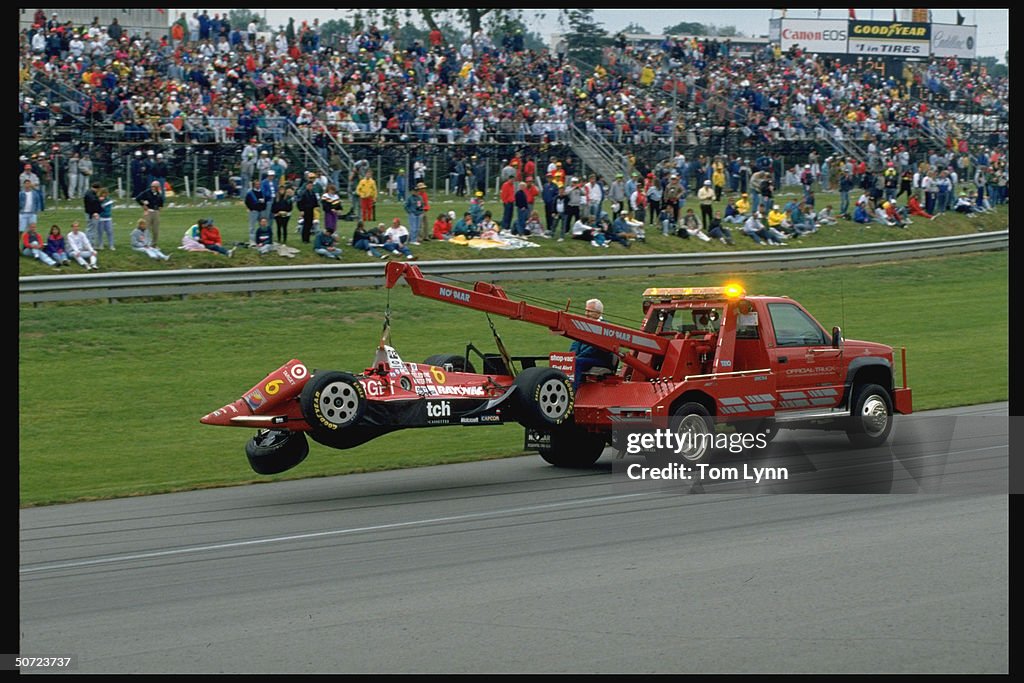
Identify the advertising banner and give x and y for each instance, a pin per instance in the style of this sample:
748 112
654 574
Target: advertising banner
826 36
890 38
949 40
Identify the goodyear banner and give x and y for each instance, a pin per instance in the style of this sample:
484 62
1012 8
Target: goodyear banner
889 38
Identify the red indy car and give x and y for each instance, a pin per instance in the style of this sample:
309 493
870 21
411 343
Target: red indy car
343 410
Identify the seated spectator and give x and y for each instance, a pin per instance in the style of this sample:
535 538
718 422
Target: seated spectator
209 236
588 233
732 214
533 226
718 231
894 215
487 225
364 240
325 244
755 229
395 238
860 213
80 248
443 226
265 237
142 242
689 226
964 204
826 217
190 240
882 217
621 232
915 209
55 248
465 227
668 224
32 245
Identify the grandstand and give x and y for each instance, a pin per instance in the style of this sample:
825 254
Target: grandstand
366 98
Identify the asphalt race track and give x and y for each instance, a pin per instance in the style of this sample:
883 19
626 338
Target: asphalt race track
515 566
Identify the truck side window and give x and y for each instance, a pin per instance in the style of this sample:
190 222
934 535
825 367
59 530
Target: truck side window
793 327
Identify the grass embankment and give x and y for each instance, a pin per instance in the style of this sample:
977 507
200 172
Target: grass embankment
111 395
231 218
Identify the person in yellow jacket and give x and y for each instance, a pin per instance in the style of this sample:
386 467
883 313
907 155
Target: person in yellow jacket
743 204
718 180
777 218
366 190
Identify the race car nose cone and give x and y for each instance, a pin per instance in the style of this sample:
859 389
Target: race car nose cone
223 415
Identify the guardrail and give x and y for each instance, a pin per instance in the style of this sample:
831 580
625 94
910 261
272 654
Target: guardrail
183 283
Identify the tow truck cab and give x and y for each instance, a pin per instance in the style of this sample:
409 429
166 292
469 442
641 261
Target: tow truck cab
741 357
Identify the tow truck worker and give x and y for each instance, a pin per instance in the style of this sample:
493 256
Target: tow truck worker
588 356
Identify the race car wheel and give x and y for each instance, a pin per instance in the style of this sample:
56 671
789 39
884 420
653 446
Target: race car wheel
458 363
871 417
332 401
695 420
273 451
573 446
545 397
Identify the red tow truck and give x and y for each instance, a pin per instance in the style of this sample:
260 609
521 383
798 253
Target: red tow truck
702 358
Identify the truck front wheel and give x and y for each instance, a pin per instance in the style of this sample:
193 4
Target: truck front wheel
870 417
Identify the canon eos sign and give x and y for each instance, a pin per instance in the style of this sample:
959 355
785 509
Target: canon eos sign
814 35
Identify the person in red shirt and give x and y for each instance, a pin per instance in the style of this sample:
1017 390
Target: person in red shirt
442 226
209 237
508 200
529 170
915 209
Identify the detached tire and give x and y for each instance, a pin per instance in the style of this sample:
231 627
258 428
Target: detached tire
573 447
458 363
273 451
870 417
544 398
694 418
331 402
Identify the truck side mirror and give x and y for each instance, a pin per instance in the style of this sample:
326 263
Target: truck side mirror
837 338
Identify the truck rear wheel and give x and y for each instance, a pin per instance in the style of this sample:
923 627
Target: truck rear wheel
545 397
870 417
693 419
458 363
573 446
273 451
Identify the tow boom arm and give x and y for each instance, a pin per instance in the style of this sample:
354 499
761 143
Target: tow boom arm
492 299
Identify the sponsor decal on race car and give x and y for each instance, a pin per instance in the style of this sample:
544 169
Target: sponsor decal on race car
432 390
296 373
254 399
439 409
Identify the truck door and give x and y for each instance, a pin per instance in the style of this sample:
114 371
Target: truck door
808 370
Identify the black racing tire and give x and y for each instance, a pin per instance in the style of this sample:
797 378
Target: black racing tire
694 418
458 363
871 416
273 451
544 398
332 402
573 447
